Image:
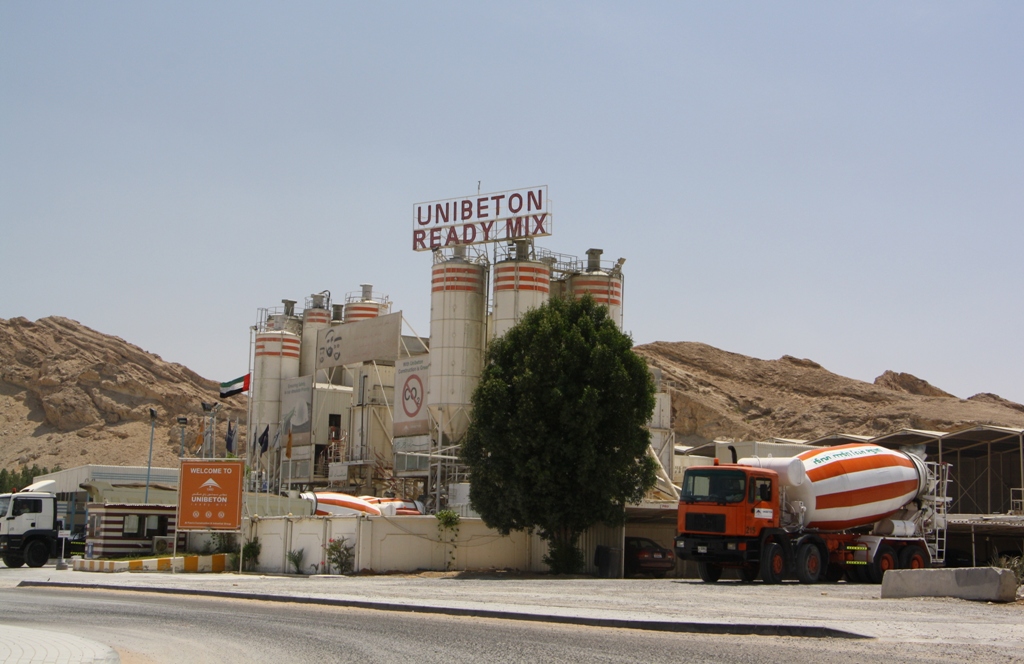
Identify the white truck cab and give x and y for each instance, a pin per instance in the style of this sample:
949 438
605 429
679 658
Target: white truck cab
28 525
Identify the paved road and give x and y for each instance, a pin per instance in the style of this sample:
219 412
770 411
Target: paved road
921 629
145 628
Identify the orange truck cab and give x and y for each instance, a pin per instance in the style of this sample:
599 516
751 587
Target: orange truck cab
728 517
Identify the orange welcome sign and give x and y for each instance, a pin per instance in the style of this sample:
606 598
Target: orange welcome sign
210 495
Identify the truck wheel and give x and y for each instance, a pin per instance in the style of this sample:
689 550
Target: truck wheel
885 560
773 563
856 574
913 557
808 563
13 560
709 572
833 573
36 553
749 572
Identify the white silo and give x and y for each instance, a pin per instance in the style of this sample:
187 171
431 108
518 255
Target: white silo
364 304
315 317
520 284
286 320
276 358
457 308
604 285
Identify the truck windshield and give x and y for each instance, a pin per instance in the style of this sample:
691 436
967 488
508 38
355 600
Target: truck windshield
5 502
714 486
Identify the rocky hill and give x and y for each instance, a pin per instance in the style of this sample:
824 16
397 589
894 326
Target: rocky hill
720 394
70 395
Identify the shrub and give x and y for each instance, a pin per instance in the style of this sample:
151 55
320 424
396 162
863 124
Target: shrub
251 554
1014 564
340 556
223 542
295 557
447 532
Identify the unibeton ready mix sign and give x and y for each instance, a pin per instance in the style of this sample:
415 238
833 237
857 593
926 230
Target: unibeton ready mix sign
210 495
517 214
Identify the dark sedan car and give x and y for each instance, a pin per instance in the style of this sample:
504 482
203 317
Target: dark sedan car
645 556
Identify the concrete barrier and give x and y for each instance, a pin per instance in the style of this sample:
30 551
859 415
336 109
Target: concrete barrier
216 562
985 584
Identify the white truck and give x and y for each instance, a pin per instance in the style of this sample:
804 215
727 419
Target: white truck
28 525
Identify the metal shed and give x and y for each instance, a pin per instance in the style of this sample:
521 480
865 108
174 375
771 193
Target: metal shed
988 464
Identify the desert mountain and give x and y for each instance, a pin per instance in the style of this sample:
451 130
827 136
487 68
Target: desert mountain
70 395
717 394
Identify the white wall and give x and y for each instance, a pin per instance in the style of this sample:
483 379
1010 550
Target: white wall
389 544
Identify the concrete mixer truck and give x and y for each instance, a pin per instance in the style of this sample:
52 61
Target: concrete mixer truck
855 510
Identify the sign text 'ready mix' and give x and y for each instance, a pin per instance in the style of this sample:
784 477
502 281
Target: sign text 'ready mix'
498 217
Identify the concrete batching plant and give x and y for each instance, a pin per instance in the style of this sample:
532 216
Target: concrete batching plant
342 399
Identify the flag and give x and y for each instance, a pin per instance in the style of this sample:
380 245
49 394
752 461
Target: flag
233 387
229 438
264 440
288 449
199 442
276 444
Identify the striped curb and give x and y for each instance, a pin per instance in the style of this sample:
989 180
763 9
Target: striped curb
217 562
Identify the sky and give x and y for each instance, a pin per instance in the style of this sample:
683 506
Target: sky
836 181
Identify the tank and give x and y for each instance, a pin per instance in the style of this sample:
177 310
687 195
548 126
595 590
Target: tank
330 503
286 321
457 308
364 304
853 485
519 285
605 286
277 358
315 317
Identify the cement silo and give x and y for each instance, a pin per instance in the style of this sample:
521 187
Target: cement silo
364 304
315 317
276 358
458 304
603 284
520 284
285 320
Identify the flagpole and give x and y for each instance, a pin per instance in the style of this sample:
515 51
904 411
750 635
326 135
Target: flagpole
289 455
248 404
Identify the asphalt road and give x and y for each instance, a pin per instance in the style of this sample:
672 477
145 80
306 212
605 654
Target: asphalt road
145 628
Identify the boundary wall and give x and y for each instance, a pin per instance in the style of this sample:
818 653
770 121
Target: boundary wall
392 544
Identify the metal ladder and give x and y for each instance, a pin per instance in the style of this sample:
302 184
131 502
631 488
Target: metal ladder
940 501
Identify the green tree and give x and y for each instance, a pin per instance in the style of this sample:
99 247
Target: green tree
16 479
558 441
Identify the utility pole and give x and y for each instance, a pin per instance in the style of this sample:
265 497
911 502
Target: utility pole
149 464
182 422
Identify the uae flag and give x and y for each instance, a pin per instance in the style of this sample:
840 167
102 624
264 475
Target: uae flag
233 387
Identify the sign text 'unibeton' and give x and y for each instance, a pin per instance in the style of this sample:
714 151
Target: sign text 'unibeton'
503 216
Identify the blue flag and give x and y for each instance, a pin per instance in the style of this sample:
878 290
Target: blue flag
264 440
229 438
